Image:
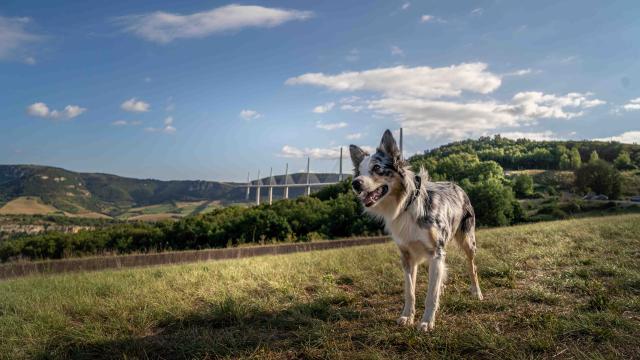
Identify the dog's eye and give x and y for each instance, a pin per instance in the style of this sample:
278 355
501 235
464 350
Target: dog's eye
376 168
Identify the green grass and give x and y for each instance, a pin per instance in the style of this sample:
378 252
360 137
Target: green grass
566 288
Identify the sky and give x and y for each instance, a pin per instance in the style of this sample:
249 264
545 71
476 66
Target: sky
213 90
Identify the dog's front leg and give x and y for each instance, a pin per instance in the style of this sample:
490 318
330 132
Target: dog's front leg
436 278
410 267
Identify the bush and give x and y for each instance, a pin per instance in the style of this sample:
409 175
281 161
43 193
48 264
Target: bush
523 185
493 202
600 177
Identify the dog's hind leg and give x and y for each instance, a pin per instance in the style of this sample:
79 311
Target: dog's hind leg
410 268
467 241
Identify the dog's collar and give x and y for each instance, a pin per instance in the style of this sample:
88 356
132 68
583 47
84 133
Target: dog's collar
417 180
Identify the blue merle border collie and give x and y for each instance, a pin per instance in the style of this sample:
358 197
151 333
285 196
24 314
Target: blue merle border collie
422 217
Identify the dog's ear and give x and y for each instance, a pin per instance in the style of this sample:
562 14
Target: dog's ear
357 155
388 145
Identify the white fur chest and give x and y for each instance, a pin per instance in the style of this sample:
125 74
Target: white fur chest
409 236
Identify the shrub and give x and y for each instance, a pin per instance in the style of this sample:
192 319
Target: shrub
523 185
493 202
600 177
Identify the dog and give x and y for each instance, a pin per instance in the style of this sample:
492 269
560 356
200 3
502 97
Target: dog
421 216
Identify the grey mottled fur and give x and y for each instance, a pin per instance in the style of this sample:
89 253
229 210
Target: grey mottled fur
422 221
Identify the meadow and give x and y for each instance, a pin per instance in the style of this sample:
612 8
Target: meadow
561 289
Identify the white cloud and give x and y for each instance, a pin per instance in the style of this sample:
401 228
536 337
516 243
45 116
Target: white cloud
569 59
331 126
70 111
405 6
396 51
632 105
436 118
126 123
14 38
135 105
400 81
30 60
477 12
424 100
351 103
351 107
164 27
40 109
250 114
426 18
168 127
538 136
629 137
331 153
321 109
354 136
521 72
535 104
457 120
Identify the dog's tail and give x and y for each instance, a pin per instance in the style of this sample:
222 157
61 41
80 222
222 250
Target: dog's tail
468 223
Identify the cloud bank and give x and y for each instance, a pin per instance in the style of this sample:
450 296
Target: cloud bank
432 102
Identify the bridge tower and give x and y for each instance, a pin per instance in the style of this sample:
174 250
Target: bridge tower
308 179
286 181
248 186
340 176
258 182
271 186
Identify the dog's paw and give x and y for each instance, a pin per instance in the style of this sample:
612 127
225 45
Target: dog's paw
405 320
475 292
425 326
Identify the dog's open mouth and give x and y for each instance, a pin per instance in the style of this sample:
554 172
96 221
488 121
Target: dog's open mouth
370 198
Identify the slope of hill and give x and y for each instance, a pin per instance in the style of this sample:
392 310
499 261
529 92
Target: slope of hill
77 193
565 290
531 154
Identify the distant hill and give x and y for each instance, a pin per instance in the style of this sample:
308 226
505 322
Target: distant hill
531 154
71 192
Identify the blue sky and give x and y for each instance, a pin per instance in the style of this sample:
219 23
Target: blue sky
211 90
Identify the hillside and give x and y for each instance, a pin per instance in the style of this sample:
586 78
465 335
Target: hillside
531 154
565 290
63 191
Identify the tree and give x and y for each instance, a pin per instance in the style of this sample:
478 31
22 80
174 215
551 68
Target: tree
565 162
623 161
600 177
523 185
493 203
576 160
594 156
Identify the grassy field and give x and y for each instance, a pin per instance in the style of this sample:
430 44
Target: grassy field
28 205
172 210
565 289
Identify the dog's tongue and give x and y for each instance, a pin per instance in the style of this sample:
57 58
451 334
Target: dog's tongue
372 197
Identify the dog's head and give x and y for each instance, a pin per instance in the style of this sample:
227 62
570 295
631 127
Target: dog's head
380 176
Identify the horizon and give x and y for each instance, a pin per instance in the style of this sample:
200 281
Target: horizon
347 170
137 91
